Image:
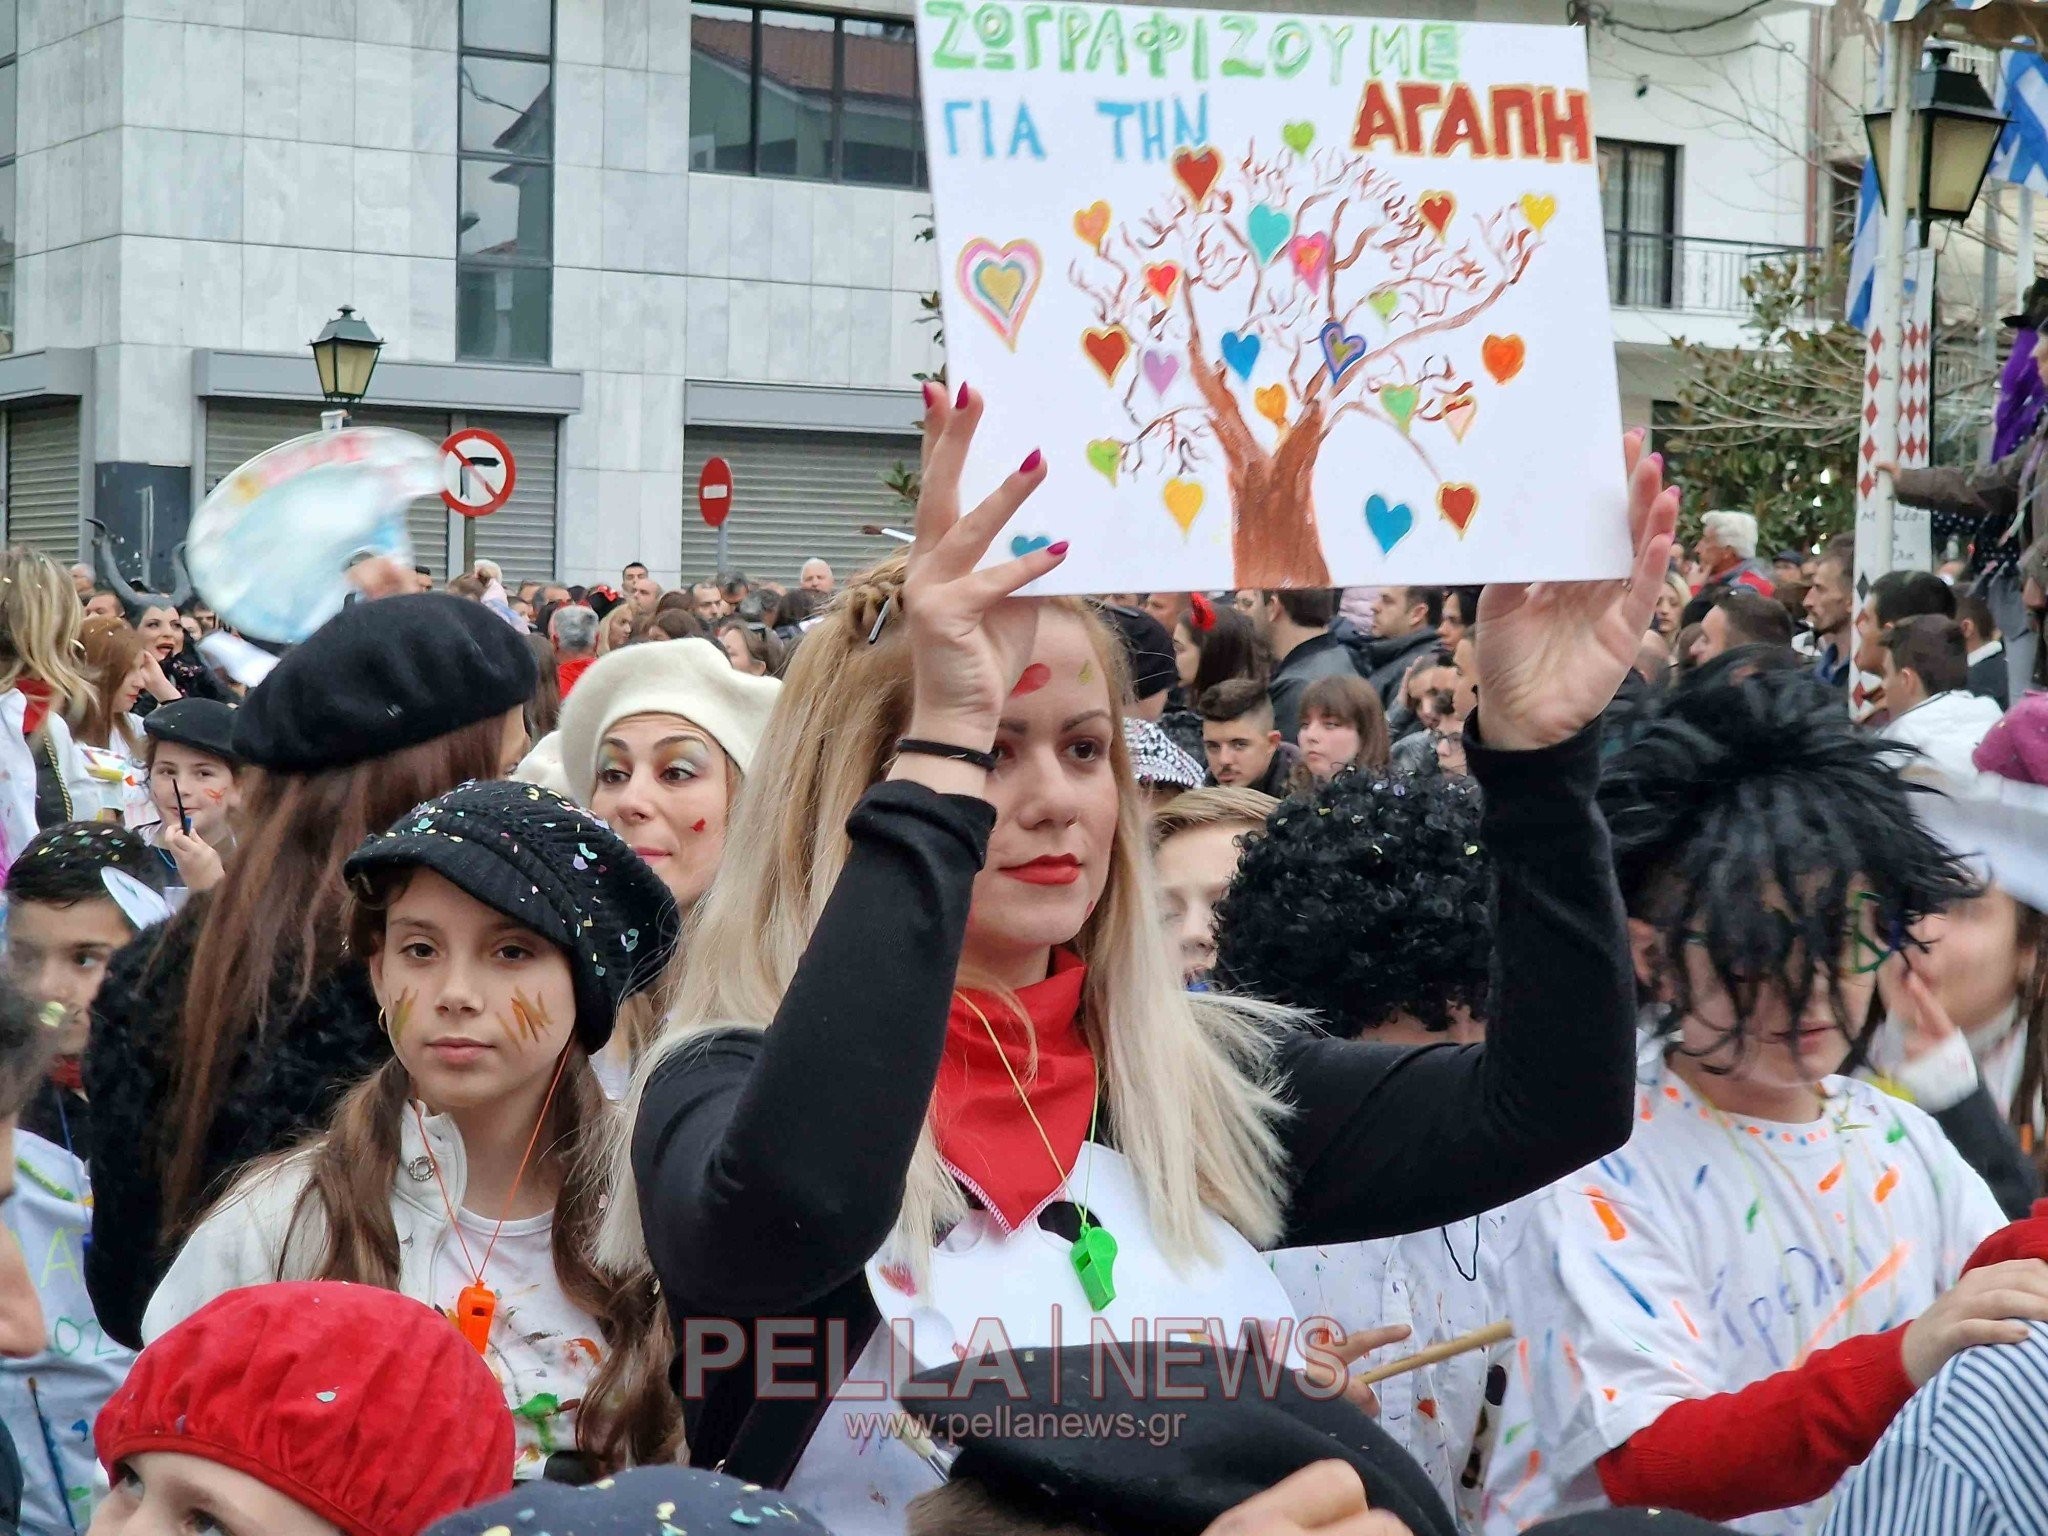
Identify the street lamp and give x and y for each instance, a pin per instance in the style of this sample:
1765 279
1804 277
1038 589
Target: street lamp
346 355
1947 158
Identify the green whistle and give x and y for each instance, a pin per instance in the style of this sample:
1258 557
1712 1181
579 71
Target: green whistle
1094 1260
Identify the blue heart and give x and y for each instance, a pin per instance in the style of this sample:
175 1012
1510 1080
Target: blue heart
1241 353
1020 546
1389 524
1268 229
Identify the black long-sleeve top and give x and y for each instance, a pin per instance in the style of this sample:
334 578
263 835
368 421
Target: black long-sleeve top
771 1164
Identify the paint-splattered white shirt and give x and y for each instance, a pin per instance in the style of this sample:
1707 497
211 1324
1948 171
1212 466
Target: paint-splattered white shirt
1709 1253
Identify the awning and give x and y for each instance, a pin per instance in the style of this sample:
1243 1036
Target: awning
1993 23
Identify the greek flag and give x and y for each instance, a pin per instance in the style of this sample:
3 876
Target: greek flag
2022 153
1863 248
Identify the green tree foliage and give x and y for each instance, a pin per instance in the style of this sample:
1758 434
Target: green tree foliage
1770 427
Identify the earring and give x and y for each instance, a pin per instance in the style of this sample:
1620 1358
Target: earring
383 1023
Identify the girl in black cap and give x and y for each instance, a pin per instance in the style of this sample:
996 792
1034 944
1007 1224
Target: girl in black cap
935 1050
232 1030
192 772
502 927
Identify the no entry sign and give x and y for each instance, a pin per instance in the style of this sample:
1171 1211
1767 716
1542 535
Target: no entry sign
478 472
714 492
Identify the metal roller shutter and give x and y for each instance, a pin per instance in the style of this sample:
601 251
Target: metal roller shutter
795 495
238 430
520 535
42 480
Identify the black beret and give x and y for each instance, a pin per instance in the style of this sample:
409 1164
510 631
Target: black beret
382 676
646 1501
528 853
1148 648
205 725
1207 1434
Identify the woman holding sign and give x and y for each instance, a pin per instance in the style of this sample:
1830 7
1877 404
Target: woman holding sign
943 1070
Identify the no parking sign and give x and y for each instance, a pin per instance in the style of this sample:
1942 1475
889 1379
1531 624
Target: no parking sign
477 472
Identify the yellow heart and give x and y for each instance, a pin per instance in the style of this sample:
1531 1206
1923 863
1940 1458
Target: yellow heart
1184 502
1537 207
1272 403
1002 284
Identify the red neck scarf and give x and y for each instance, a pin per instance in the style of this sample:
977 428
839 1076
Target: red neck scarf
984 1131
38 694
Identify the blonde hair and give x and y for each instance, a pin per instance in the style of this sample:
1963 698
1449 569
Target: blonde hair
1211 807
1186 1079
39 618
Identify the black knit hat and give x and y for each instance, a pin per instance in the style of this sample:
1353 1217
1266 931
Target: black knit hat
205 725
552 866
379 677
646 1501
1229 1438
1148 648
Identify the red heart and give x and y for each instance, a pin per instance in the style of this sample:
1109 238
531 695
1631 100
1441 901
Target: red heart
1107 349
1503 356
1436 209
1161 279
1457 502
1197 170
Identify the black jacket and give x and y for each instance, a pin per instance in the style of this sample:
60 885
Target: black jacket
1385 663
282 1086
1988 679
770 1164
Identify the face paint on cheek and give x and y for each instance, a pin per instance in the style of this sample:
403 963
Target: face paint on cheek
1035 677
529 1016
700 824
401 1016
215 796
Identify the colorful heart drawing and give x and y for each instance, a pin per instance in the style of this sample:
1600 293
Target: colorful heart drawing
1241 352
1458 415
1162 278
1503 356
1160 368
1197 170
1340 351
1389 523
1021 545
1092 223
1436 209
1107 350
1537 208
1309 252
1267 228
1400 401
1184 500
1385 301
1298 136
1104 455
1272 403
999 283
1458 502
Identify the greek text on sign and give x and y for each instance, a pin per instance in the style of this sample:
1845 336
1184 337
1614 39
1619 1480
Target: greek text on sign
479 472
1287 301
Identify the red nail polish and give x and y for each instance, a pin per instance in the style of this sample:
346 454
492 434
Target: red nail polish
960 404
931 394
1058 549
1031 462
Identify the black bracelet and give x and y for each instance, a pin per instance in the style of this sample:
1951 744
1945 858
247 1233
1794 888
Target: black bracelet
986 761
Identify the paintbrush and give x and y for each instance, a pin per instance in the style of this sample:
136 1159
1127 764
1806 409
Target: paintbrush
1464 1343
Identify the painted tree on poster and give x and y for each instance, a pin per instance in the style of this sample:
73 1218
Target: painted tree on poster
1318 287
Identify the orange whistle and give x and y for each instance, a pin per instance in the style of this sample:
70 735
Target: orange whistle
474 1310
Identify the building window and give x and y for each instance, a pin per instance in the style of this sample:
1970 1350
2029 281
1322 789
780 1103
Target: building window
796 93
1639 205
8 93
505 181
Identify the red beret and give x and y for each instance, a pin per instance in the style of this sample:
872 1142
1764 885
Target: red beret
361 1404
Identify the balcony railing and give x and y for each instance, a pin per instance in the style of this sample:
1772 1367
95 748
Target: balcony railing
1686 273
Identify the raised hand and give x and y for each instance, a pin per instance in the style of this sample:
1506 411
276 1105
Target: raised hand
1332 1353
971 636
1552 654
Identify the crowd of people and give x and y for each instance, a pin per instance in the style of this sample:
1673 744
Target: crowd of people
904 1057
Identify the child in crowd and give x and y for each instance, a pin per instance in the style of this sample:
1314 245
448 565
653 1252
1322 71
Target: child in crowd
193 786
1723 1316
1197 838
1400 859
502 928
302 1410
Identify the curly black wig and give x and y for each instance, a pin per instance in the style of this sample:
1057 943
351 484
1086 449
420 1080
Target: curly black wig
1364 902
62 864
1752 818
